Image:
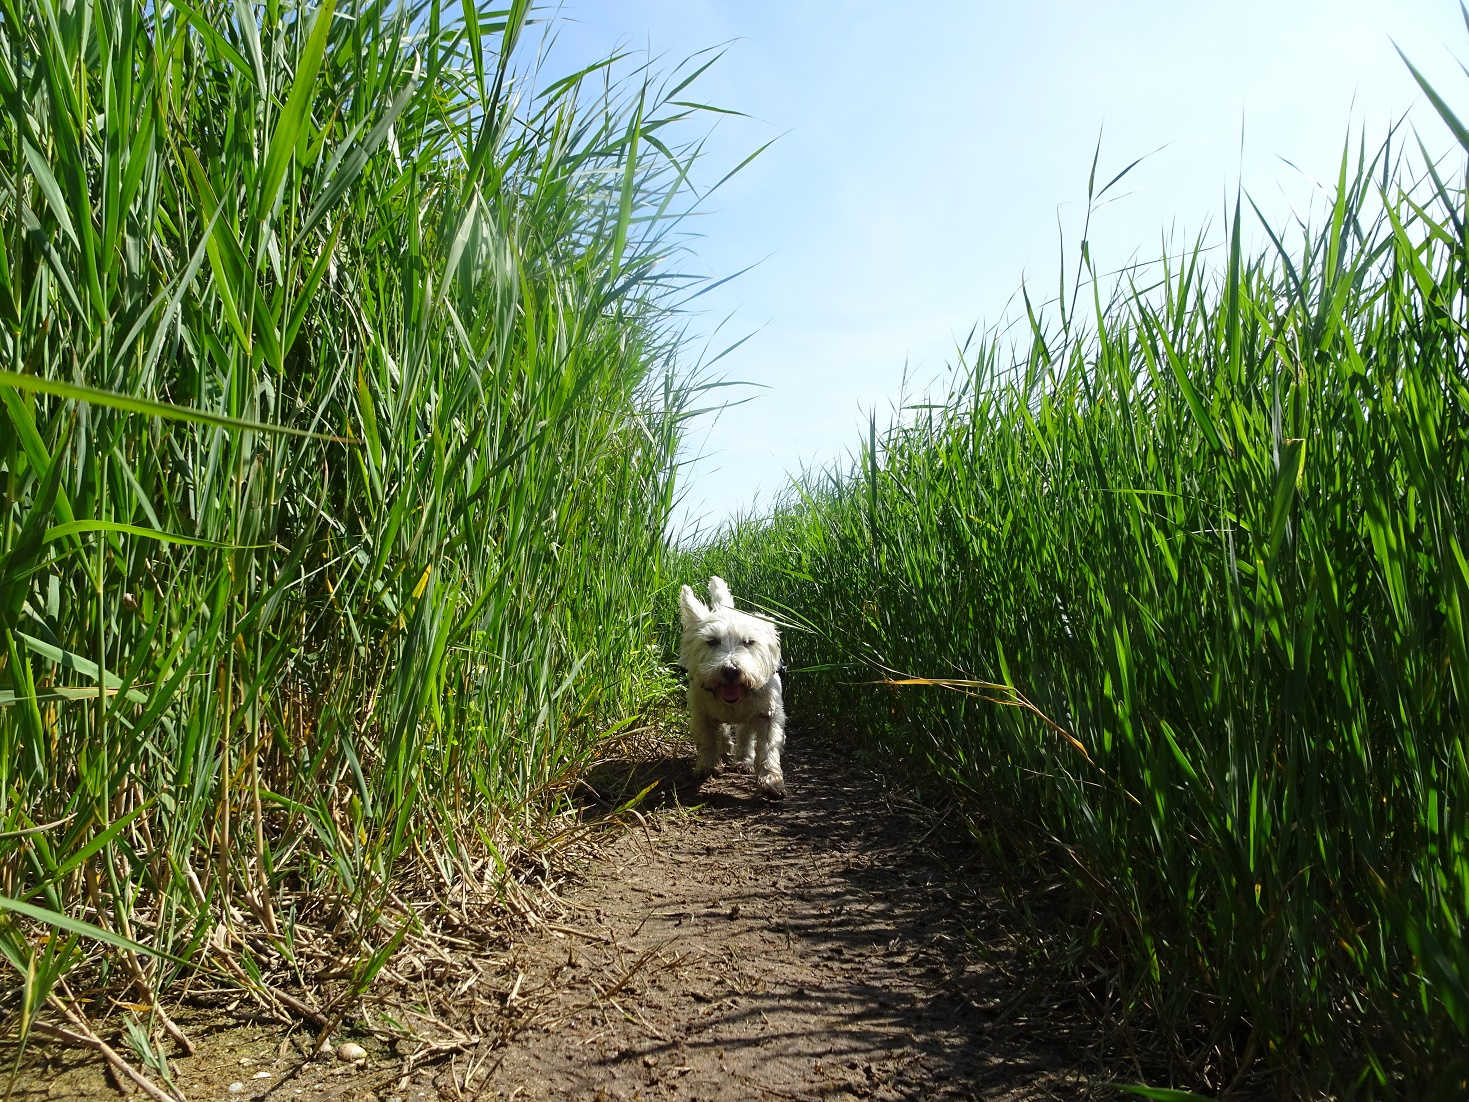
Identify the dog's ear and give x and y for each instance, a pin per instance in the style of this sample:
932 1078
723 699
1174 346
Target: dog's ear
719 593
690 608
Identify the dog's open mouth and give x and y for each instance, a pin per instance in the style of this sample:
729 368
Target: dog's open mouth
730 692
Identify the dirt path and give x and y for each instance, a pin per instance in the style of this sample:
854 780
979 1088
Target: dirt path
815 949
844 944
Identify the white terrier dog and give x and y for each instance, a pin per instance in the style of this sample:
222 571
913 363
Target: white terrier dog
735 704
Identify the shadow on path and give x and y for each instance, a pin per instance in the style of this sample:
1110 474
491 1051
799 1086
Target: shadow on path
842 944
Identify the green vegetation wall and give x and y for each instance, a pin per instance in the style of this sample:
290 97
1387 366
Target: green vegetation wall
1182 579
337 430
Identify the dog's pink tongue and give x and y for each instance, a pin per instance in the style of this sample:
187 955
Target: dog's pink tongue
730 693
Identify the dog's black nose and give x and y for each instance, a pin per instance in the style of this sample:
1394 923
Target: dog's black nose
730 673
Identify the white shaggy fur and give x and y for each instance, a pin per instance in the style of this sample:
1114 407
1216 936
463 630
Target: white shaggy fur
735 706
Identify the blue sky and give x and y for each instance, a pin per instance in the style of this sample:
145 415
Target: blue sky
927 153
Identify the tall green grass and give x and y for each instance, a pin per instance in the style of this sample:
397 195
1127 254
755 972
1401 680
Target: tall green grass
1185 567
337 438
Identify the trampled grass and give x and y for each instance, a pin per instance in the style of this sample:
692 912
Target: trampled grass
1182 579
337 438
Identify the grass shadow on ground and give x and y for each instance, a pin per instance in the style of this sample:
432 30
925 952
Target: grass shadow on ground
660 777
853 940
991 1005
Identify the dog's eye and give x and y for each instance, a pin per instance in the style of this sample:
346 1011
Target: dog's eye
747 642
711 642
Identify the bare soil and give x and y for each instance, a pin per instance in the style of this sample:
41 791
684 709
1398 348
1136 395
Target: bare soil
837 945
847 943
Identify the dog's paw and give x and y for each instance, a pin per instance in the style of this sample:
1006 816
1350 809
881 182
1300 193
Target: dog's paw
771 784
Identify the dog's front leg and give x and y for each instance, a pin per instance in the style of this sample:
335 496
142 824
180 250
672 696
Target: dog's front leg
770 739
708 737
